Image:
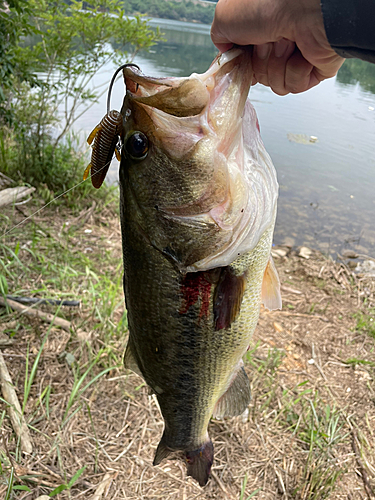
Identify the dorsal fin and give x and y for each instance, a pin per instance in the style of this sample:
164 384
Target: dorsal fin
271 296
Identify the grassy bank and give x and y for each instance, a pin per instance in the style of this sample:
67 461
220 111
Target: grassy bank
309 433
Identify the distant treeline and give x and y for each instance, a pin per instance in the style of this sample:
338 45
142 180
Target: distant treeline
183 10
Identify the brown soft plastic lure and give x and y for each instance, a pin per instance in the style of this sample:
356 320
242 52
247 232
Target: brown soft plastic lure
105 137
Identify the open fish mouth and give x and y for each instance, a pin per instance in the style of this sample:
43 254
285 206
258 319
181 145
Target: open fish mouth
208 117
227 81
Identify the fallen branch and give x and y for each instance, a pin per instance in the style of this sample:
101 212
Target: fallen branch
49 318
5 341
9 196
53 302
302 315
14 408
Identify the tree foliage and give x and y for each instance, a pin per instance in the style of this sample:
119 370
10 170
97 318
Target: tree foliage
171 9
70 43
14 24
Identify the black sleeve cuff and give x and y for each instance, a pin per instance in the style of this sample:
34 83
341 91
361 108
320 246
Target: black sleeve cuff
350 27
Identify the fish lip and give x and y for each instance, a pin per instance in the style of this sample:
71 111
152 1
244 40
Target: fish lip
141 88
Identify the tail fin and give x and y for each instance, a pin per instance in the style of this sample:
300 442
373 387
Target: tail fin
162 451
199 462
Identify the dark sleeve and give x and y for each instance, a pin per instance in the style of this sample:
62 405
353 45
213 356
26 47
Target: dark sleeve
350 27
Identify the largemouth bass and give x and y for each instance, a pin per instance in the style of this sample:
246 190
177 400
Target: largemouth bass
198 208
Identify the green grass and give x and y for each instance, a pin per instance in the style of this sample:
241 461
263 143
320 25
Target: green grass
243 487
366 322
316 427
46 259
358 361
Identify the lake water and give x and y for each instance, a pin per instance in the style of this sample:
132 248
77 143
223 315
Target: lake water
327 187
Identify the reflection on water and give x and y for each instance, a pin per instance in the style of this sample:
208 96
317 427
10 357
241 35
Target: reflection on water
187 51
354 71
327 188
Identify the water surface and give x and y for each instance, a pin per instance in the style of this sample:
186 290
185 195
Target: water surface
327 187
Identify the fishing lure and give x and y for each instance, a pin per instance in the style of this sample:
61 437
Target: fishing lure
105 138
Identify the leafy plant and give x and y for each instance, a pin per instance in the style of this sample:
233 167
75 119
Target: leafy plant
366 322
69 485
172 9
70 43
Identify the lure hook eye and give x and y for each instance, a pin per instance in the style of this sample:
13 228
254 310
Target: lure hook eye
113 81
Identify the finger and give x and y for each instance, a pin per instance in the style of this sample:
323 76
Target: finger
277 64
299 75
223 47
261 54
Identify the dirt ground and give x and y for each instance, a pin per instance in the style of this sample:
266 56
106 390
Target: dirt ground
309 432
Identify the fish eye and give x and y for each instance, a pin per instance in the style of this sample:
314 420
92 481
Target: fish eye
137 146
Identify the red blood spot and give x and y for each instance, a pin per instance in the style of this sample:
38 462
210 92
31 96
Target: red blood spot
195 286
257 124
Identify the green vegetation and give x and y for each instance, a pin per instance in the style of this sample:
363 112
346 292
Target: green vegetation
48 81
301 413
183 10
366 322
67 270
355 71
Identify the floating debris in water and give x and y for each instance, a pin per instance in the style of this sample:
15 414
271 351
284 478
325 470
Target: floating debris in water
332 188
302 138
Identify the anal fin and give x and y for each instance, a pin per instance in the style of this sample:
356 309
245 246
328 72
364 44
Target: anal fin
162 451
236 398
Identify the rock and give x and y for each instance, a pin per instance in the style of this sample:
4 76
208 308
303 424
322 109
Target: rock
278 252
305 252
367 267
349 254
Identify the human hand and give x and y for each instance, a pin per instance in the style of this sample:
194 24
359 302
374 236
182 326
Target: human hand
291 51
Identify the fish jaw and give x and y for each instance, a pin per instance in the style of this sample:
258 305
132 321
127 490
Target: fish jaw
207 163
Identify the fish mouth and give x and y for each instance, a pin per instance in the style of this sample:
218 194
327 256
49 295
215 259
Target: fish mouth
179 112
226 83
204 132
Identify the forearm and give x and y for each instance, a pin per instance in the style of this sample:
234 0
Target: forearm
350 27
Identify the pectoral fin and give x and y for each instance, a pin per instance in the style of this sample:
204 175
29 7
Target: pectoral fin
228 298
235 400
271 296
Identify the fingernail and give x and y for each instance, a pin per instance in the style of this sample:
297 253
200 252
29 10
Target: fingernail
263 50
281 47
